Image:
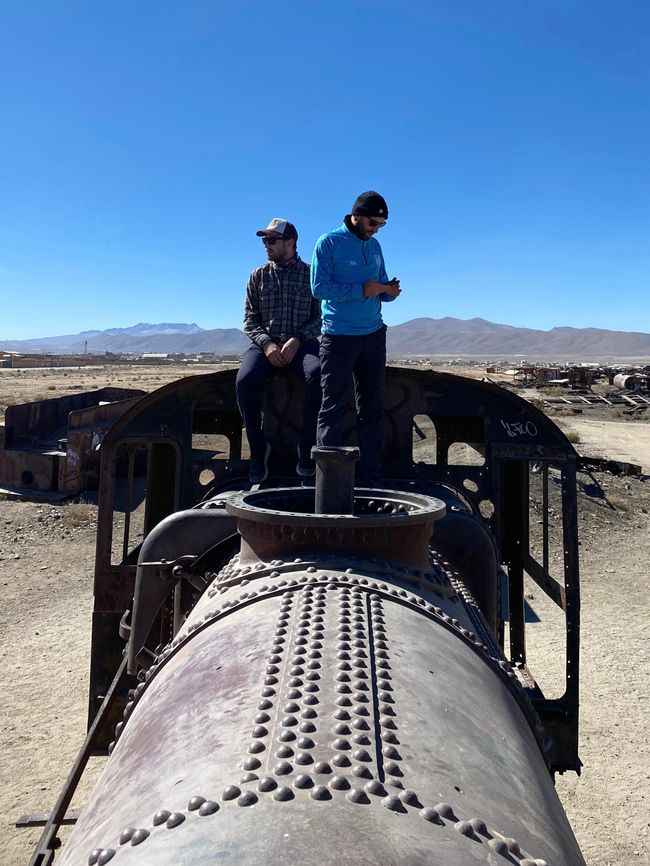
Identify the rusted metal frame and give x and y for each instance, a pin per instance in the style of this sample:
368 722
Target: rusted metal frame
163 485
514 507
572 590
545 517
128 505
48 842
40 819
545 582
561 716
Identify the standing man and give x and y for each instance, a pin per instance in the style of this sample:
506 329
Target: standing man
349 277
283 321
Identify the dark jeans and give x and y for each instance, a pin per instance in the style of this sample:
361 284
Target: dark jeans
362 358
253 372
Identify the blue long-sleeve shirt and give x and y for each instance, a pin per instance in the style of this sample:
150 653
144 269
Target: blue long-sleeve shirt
340 265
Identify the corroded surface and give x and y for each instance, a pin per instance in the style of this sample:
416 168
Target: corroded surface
326 714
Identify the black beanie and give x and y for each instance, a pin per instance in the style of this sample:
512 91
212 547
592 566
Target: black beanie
370 204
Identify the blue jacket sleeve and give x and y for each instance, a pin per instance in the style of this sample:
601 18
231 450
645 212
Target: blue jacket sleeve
383 278
323 285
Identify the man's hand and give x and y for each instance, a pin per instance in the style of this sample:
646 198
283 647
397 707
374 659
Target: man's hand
392 288
274 354
373 288
288 351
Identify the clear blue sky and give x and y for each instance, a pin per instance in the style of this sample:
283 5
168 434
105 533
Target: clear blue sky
142 143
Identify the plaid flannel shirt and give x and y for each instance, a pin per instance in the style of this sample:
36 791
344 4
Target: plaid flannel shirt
280 305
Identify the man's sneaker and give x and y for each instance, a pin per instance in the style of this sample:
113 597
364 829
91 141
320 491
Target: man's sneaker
257 469
306 467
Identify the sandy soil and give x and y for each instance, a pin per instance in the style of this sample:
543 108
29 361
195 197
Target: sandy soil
46 563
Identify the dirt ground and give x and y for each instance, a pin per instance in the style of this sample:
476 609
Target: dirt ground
46 566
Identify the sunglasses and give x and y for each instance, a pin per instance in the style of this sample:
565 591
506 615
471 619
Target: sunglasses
375 223
271 241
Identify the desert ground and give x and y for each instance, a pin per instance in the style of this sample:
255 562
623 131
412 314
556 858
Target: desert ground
46 564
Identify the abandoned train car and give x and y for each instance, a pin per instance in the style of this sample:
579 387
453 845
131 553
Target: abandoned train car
329 674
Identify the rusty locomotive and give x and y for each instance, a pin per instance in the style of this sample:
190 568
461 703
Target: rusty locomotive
329 674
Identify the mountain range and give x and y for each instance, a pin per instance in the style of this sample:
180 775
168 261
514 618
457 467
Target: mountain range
423 336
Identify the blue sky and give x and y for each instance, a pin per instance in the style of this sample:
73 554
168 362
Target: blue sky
144 141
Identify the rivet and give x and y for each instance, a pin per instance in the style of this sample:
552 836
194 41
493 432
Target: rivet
208 808
464 827
307 728
305 743
248 798
303 758
499 846
390 752
288 721
445 810
283 768
105 855
283 794
174 820
320 792
361 755
392 803
287 736
375 787
479 826
513 847
361 772
357 796
249 777
431 815
160 817
231 792
322 767
264 705
195 803
340 744
309 713
303 781
341 760
339 783
259 731
94 856
139 836
125 836
392 769
255 747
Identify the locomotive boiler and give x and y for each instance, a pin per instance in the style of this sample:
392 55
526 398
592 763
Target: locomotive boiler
329 674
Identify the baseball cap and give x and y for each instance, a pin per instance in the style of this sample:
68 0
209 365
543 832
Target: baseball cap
279 228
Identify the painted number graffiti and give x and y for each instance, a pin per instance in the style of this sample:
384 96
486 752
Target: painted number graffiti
519 428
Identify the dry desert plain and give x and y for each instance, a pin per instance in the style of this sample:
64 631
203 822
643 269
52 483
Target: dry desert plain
46 566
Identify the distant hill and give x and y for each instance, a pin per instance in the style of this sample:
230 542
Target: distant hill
424 336
487 339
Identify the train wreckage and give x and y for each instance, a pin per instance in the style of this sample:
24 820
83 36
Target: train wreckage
328 674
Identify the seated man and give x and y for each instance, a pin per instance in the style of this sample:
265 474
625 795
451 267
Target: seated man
282 318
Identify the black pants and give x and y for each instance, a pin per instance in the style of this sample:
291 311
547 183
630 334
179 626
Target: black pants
254 370
362 358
